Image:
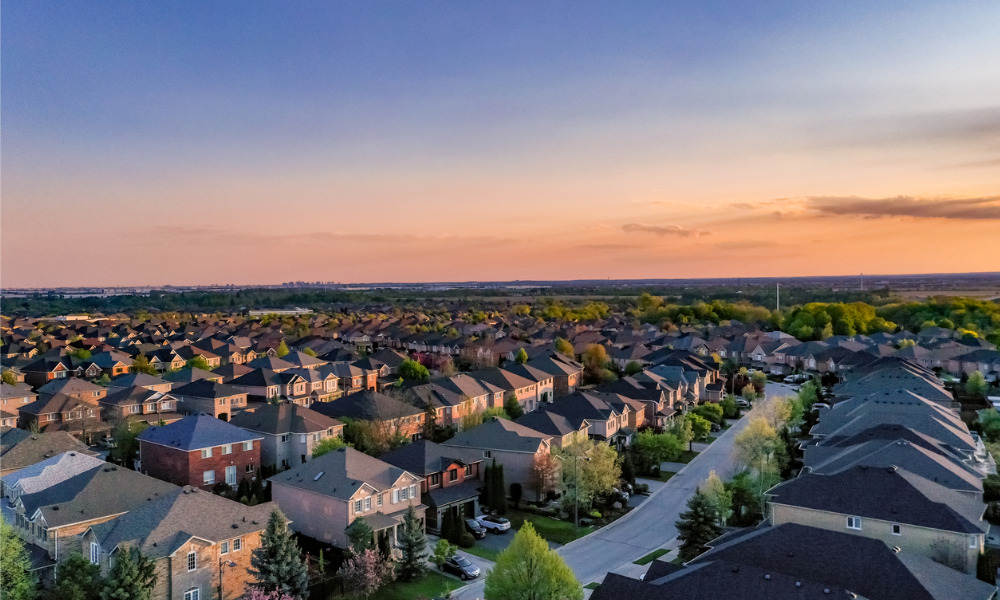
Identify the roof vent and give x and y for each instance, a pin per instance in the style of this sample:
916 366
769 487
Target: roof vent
55 507
896 549
318 475
767 576
892 469
826 590
235 526
798 584
72 453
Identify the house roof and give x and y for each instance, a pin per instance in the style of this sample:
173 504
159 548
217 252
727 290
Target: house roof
21 448
195 432
500 434
341 473
888 494
132 396
204 388
277 419
550 423
136 379
423 457
164 525
56 404
70 385
189 374
51 471
367 406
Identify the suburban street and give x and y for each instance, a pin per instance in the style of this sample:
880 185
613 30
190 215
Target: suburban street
651 525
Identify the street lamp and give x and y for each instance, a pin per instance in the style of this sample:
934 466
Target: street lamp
576 487
222 565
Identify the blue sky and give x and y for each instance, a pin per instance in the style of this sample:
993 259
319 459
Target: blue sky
380 136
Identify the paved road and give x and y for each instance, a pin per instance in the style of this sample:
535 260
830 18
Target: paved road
651 525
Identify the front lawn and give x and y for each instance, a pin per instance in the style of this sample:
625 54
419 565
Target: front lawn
593 585
655 554
431 586
686 456
483 552
553 530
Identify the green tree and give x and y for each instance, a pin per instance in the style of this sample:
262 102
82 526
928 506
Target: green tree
698 525
411 370
132 577
16 582
564 347
715 490
310 352
597 470
746 507
512 407
281 350
529 570
632 368
198 362
499 489
699 425
443 550
360 536
730 409
81 354
521 357
79 579
8 377
710 411
329 444
976 385
596 364
413 544
140 364
650 449
277 564
126 445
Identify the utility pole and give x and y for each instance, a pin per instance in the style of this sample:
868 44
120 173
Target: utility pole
777 297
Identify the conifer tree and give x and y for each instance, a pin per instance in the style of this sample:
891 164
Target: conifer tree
16 582
413 544
132 577
79 579
698 526
277 564
499 490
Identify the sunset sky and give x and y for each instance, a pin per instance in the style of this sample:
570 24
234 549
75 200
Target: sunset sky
148 143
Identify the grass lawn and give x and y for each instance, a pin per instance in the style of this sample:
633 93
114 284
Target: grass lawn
677 561
482 552
655 554
686 456
593 585
430 586
553 530
666 475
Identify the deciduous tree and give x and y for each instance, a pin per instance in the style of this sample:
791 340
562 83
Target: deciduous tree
976 385
79 579
564 347
140 364
198 362
521 357
16 582
329 444
529 570
365 573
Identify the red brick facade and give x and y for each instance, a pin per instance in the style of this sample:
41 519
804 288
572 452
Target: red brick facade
184 467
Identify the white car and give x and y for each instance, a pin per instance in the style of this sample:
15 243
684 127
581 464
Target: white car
494 523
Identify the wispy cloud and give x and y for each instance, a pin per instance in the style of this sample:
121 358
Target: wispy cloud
983 208
662 230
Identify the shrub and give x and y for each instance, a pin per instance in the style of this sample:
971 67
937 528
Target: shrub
595 514
466 540
641 488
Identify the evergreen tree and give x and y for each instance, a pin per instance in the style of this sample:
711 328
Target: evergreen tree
488 483
360 536
499 491
449 527
79 579
132 577
140 364
413 544
698 526
521 357
529 570
512 407
282 349
277 564
16 582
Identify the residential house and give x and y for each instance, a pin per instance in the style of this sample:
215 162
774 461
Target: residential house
324 496
562 430
143 380
389 415
51 471
217 399
290 432
64 413
199 450
566 372
523 389
75 388
140 404
609 415
20 448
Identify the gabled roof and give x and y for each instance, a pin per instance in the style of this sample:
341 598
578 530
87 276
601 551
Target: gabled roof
195 432
367 406
136 379
500 434
51 471
423 457
21 448
341 473
57 404
132 396
70 385
550 423
204 388
277 419
189 374
166 524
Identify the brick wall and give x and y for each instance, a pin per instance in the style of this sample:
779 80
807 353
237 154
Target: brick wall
187 468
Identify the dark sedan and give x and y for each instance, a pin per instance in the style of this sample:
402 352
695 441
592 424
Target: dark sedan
462 567
475 528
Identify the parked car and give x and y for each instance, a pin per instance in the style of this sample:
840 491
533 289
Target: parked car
108 442
716 427
461 566
475 528
494 523
742 403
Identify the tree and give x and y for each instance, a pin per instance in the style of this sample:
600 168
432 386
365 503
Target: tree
710 411
698 525
716 492
730 409
633 368
132 577
650 449
281 350
126 445
512 407
699 425
198 362
79 579
8 377
413 544
976 385
597 471
745 506
595 364
544 474
329 444
277 564
81 354
16 582
411 370
564 347
759 380
755 443
360 535
443 550
529 570
521 357
749 392
365 573
499 489
140 364
310 352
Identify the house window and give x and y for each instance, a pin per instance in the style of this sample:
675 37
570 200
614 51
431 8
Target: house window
317 436
192 561
468 471
208 477
237 544
413 491
95 553
435 479
395 496
404 494
973 541
247 446
250 468
284 438
227 449
487 454
224 547
192 594
368 503
854 523
357 506
231 475
453 475
378 500
206 453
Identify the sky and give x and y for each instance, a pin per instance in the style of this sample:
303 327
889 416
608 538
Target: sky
190 143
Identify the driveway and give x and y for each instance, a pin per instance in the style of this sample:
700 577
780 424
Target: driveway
648 527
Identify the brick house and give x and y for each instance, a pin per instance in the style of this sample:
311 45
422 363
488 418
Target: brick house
217 399
290 432
64 413
390 415
199 450
75 388
200 543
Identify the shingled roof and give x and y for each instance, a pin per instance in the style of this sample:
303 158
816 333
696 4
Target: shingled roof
195 432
